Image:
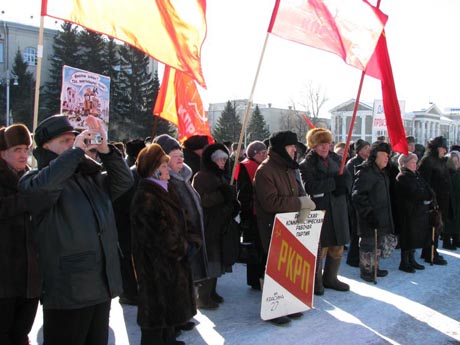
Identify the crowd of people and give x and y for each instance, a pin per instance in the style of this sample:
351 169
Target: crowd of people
149 220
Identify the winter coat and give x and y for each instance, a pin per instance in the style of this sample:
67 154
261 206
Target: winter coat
352 164
160 246
413 201
452 225
219 203
276 191
192 160
319 183
434 170
19 274
371 199
191 204
75 226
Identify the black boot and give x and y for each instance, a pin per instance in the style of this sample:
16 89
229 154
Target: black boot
214 295
405 264
365 266
319 287
331 269
204 300
414 263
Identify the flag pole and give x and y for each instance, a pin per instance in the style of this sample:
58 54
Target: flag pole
39 71
248 108
353 117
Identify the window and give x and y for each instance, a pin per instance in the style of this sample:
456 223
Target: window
30 56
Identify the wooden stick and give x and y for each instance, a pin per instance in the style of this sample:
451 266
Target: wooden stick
433 234
375 256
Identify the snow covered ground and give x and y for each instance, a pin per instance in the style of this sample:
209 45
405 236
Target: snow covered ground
403 308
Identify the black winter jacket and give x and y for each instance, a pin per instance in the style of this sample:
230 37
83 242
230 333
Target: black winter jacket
75 226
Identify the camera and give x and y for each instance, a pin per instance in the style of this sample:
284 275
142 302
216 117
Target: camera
97 140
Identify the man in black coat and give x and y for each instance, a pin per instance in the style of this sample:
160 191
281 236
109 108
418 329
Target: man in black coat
75 229
20 278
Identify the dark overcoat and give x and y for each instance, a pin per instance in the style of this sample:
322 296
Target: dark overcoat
319 183
160 245
414 197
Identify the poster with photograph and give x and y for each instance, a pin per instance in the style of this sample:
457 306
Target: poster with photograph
84 93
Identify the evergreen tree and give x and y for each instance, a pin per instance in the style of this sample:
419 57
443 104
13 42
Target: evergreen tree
228 126
65 52
91 51
162 126
257 128
22 95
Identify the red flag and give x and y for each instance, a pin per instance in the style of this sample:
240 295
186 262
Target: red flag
179 102
379 67
170 31
349 29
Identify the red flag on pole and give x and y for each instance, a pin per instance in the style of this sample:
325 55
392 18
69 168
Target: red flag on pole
170 31
349 29
179 103
379 67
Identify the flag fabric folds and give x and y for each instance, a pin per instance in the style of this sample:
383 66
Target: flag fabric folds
379 67
170 31
347 28
179 103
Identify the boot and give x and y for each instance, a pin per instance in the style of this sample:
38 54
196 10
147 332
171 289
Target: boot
214 295
365 266
319 287
353 252
330 281
414 263
204 300
405 264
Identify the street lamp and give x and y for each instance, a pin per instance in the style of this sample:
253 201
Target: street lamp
8 77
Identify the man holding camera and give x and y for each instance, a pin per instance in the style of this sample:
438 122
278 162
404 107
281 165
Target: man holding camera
75 229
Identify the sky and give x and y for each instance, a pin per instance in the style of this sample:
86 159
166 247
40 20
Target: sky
422 38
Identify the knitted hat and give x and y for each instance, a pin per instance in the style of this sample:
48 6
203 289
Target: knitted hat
14 135
360 144
52 127
254 148
149 159
218 154
318 136
196 142
279 140
404 159
167 143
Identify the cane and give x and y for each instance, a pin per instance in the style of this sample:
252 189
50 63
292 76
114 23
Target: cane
375 256
433 234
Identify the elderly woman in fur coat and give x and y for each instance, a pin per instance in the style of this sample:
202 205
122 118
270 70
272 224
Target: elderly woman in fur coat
161 251
218 199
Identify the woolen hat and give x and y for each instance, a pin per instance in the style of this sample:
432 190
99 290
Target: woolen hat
360 144
279 140
167 143
149 159
14 135
51 128
404 159
254 148
196 142
218 154
318 136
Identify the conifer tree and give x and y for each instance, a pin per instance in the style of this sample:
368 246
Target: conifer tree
91 51
257 127
228 126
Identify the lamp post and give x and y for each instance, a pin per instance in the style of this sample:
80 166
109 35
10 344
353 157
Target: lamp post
9 76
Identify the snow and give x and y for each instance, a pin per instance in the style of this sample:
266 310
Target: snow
402 308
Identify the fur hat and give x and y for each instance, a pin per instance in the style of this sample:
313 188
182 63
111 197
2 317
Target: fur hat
218 154
16 134
279 140
404 159
167 143
360 144
196 142
51 128
149 159
133 147
378 146
318 136
255 147
437 142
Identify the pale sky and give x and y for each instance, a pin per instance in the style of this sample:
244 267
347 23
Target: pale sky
423 41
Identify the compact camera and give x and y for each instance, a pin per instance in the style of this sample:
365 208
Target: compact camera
97 140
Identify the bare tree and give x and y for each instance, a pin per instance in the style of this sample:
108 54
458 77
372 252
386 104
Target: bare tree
313 98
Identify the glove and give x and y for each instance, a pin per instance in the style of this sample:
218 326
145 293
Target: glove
340 187
372 220
306 206
228 192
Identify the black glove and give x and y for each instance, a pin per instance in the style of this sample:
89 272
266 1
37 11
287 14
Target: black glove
340 187
372 220
228 192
